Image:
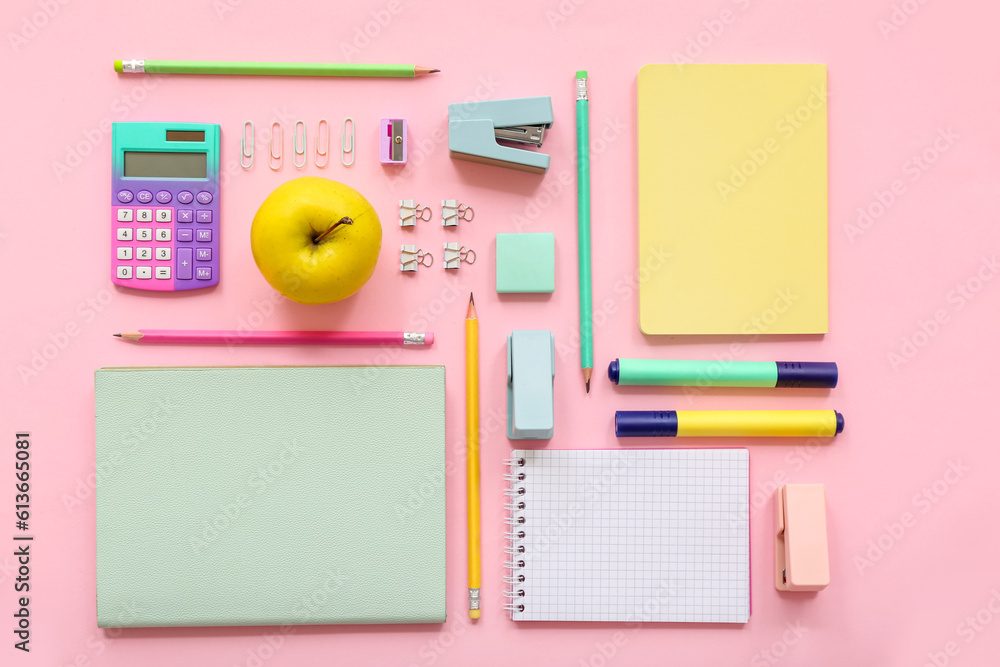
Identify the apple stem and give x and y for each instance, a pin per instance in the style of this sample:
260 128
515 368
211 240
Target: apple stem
343 221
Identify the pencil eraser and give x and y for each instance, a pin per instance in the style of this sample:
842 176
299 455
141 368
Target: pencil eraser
581 74
428 338
118 66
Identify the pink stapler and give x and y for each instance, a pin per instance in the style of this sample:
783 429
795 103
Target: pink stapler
801 550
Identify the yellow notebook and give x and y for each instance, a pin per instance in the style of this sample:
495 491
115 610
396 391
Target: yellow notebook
732 199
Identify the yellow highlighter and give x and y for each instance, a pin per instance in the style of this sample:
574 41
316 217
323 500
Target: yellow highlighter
728 423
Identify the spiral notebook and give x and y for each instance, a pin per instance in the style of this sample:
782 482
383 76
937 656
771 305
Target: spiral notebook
629 535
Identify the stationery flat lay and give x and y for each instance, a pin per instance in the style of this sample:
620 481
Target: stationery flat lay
426 333
193 533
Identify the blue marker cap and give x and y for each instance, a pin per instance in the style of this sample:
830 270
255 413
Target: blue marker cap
613 369
807 374
640 423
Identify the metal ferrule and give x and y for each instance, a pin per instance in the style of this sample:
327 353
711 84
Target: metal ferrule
413 338
133 66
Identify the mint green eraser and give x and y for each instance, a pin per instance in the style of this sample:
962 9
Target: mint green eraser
526 263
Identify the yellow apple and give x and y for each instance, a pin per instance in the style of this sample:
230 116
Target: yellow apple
316 240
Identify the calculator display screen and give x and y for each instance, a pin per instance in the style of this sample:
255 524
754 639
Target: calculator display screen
186 135
149 164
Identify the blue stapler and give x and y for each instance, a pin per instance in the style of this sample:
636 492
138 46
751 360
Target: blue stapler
474 130
531 368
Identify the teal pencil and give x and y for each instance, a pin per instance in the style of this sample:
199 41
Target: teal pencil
583 225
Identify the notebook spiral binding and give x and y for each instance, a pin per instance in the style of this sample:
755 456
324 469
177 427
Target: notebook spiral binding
514 535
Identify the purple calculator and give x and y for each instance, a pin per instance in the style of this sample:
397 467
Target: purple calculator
165 205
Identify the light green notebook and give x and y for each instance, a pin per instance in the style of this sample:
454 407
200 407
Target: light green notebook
270 496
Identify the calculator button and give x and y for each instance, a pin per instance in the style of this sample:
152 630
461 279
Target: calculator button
144 196
124 196
184 271
204 235
164 197
204 254
203 273
124 215
204 197
142 234
204 215
163 254
185 197
185 215
144 253
143 272
124 234
124 272
163 272
143 215
185 235
124 252
162 234
164 215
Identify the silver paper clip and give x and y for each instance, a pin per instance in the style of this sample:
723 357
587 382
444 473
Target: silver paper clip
411 257
299 144
243 145
347 143
452 212
273 158
325 153
454 255
410 211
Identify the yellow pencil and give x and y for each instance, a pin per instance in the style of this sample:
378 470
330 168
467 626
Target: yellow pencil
472 454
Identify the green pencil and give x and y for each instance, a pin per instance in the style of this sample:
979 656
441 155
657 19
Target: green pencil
583 225
268 69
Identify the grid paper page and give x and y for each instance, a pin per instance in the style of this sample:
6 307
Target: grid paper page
632 535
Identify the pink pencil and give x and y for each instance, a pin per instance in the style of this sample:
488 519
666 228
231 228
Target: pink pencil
277 337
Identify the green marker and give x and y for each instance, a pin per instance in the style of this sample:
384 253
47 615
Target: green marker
684 373
583 225
267 68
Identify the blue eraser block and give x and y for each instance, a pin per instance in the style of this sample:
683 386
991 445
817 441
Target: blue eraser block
526 263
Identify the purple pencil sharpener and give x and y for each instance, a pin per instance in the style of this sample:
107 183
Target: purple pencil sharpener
392 144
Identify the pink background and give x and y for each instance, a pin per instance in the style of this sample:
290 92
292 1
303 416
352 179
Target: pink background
897 598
